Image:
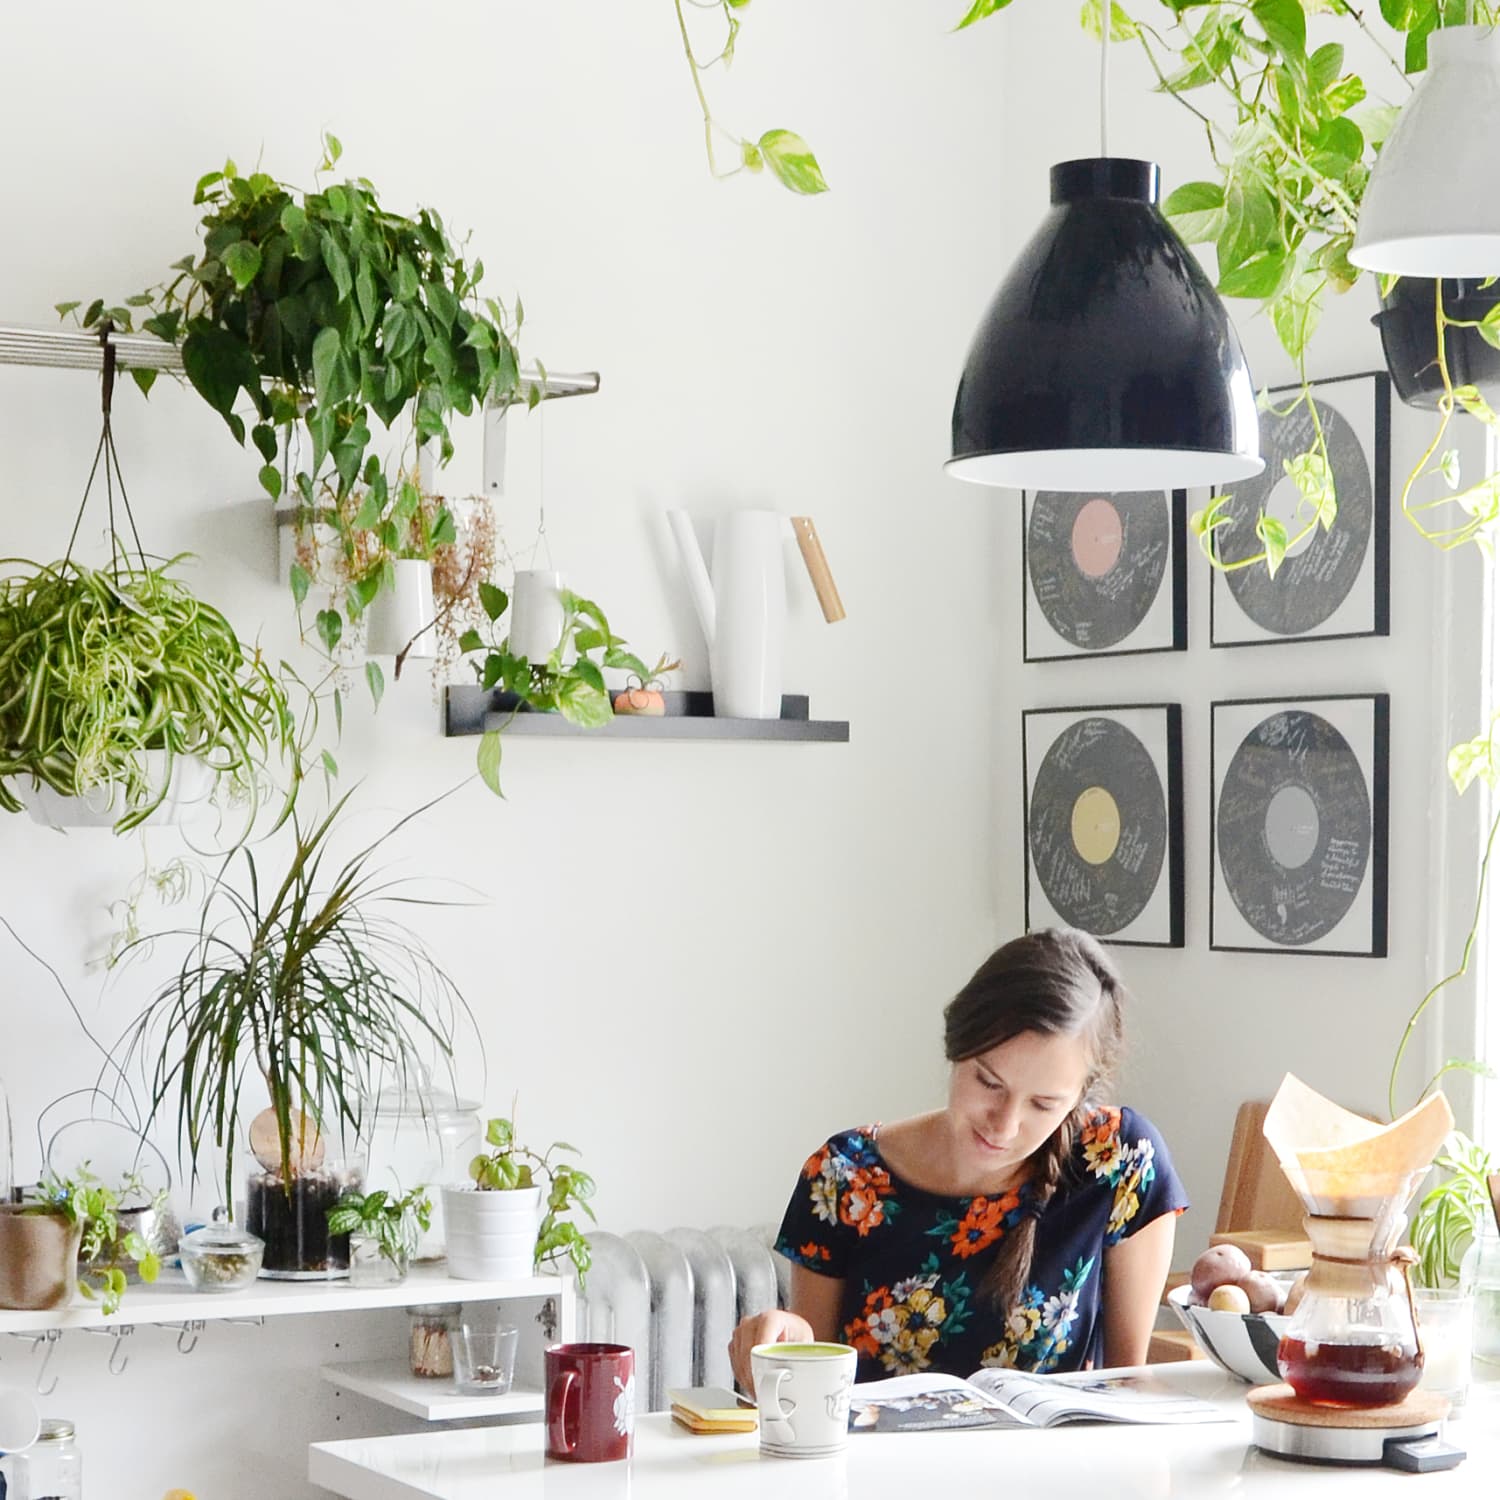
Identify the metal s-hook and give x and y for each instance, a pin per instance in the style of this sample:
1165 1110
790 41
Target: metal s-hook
51 1338
118 1359
189 1331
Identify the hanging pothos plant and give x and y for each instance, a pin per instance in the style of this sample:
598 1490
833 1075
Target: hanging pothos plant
319 310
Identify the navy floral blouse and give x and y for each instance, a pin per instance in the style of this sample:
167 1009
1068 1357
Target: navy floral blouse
913 1262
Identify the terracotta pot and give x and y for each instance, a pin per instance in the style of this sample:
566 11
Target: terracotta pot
38 1259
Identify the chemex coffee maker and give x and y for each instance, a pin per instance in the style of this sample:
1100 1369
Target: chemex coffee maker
1351 1357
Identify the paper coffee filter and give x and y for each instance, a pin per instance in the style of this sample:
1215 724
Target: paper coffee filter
1343 1164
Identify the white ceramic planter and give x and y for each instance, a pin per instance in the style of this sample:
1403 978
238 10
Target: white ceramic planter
402 617
103 806
491 1236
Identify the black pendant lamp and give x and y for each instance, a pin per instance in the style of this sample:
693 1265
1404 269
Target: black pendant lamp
1106 360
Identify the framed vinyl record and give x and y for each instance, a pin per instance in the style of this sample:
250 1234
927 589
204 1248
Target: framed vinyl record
1103 820
1301 796
1334 584
1106 575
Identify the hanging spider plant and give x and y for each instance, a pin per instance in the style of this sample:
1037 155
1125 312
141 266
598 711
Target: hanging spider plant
310 986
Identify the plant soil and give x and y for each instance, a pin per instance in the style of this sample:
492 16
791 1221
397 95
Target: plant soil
295 1226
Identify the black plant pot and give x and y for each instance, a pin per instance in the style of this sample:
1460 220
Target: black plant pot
1409 338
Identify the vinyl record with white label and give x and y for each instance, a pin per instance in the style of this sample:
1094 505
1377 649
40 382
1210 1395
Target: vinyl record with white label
1096 562
1097 825
1294 828
1315 579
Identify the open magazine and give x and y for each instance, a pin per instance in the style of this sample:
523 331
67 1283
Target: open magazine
1009 1398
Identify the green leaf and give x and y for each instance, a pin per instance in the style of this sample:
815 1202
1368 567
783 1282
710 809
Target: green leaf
488 760
791 159
220 366
1273 538
330 765
375 678
1285 25
1257 277
330 625
242 261
493 600
1249 223
270 480
470 640
301 581
444 532
979 10
144 379
64 308
333 377
1196 210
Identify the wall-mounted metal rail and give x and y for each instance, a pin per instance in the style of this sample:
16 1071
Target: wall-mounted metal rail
82 349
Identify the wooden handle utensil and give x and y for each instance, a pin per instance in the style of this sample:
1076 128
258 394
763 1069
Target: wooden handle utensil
818 569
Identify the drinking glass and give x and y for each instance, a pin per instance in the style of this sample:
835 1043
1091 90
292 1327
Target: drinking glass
484 1352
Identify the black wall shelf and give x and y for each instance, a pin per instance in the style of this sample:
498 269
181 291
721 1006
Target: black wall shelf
689 716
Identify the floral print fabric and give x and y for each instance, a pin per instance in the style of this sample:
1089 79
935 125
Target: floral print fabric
912 1262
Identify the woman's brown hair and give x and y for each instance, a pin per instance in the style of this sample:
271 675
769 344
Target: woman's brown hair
1059 982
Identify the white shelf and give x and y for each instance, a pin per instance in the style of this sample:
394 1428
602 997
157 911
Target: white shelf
172 1300
390 1382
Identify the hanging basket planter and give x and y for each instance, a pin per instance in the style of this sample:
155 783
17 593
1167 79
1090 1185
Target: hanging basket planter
1408 337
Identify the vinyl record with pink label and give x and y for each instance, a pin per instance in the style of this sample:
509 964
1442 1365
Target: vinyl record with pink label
1105 573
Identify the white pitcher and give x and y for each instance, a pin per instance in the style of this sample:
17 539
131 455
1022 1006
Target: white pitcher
741 606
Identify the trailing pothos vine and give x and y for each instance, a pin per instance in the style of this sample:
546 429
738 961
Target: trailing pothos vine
318 310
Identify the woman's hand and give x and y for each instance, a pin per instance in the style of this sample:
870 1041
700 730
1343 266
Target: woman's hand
775 1327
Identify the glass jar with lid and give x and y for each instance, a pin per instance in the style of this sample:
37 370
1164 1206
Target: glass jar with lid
431 1343
220 1257
52 1468
422 1136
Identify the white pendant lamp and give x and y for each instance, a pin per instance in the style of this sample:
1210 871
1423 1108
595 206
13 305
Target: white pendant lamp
1431 208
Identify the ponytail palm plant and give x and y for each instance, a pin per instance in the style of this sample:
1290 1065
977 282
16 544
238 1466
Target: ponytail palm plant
310 985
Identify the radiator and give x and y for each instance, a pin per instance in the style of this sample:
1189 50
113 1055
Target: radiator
675 1298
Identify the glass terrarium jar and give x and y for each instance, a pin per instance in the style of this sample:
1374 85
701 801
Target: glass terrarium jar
422 1136
372 1263
292 1220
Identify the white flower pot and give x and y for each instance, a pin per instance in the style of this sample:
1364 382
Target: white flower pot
103 806
403 617
491 1236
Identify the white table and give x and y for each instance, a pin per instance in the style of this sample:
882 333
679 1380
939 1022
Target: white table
1124 1463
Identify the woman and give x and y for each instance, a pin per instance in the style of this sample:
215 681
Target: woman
1026 1224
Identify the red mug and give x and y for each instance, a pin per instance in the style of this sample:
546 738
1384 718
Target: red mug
590 1402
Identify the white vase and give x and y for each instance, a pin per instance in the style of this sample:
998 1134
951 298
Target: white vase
103 806
491 1236
402 617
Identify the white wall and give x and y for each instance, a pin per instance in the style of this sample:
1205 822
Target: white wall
693 961
1211 1028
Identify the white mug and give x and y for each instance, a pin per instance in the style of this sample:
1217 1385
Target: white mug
536 614
802 1394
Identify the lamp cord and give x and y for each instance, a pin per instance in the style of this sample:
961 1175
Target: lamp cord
1104 11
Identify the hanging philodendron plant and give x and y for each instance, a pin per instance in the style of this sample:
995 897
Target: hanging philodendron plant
320 310
113 678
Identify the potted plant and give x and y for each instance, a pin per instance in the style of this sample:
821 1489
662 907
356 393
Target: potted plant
310 984
500 1225
382 1232
1409 339
316 310
69 1238
644 694
569 682
113 680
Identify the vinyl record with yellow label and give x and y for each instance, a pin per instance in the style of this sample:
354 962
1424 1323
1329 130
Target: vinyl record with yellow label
1097 825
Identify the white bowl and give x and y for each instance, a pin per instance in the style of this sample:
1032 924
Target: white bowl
1243 1344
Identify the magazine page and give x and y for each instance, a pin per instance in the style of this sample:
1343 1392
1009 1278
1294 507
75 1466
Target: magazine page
922 1403
1048 1400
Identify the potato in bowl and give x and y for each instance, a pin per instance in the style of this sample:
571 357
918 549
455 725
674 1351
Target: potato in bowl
1242 1343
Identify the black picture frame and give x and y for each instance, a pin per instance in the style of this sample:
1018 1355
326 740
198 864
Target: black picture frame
1250 608
1260 903
1048 567
1054 874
